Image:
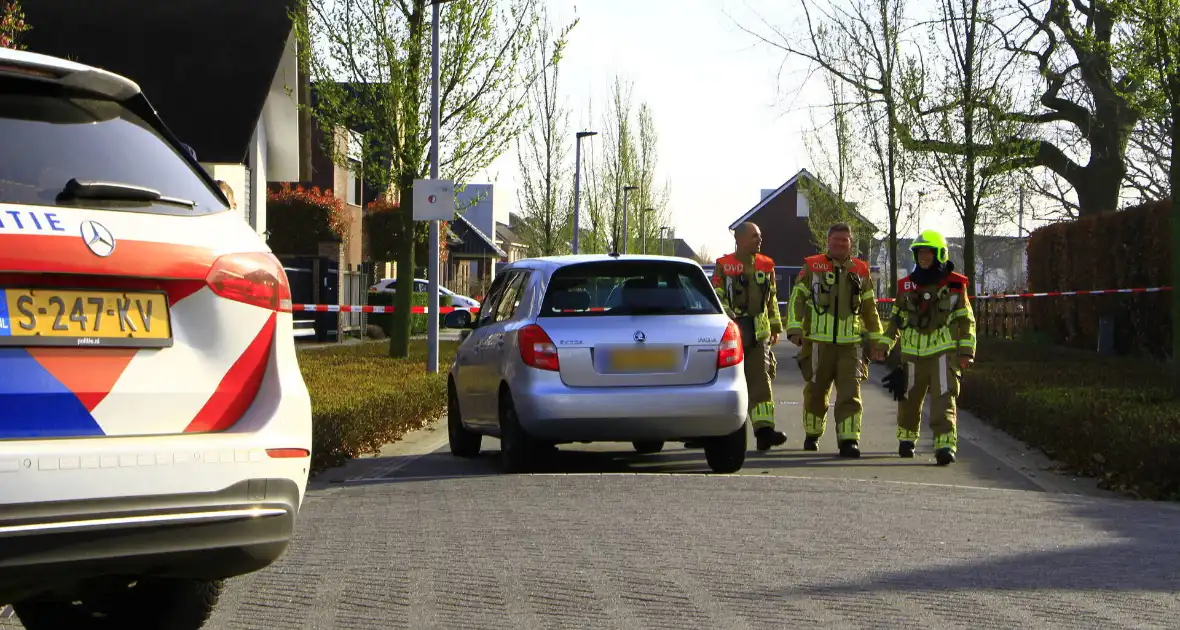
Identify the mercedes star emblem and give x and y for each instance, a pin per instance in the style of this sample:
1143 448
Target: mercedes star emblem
98 238
640 337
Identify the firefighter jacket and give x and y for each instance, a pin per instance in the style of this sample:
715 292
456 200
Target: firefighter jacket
833 302
932 319
748 288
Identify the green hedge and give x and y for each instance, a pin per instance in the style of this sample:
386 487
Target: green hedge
1116 250
1107 417
361 399
417 320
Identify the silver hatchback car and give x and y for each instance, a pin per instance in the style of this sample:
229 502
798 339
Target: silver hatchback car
599 348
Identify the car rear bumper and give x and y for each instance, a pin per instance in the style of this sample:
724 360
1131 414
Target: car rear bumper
52 546
551 410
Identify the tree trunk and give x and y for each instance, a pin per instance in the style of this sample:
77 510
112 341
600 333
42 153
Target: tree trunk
399 335
893 277
1098 186
1175 246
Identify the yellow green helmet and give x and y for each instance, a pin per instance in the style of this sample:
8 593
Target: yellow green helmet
933 240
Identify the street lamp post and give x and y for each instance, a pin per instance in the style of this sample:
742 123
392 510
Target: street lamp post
643 227
626 191
663 236
578 182
432 314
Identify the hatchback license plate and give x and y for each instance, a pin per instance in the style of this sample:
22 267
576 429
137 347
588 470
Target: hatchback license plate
53 317
642 360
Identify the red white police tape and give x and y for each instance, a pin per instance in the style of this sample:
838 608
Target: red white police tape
345 308
1008 296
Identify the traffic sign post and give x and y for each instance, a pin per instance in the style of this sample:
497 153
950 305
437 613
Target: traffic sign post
434 201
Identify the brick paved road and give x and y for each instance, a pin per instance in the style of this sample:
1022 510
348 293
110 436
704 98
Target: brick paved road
628 551
798 540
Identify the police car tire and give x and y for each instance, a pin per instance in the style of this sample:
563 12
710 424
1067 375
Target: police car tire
727 454
648 447
151 603
464 443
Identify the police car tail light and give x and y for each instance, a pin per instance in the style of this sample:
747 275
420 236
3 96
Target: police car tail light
255 278
537 349
730 353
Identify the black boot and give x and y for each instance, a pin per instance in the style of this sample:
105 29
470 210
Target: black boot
905 449
811 443
944 456
768 437
849 448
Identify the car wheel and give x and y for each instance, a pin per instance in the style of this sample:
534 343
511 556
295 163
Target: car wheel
727 454
648 447
150 603
519 453
464 443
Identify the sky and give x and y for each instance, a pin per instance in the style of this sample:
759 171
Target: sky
730 116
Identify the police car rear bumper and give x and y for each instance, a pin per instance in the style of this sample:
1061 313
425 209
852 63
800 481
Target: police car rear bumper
58 546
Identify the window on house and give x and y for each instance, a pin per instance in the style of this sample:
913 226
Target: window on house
354 183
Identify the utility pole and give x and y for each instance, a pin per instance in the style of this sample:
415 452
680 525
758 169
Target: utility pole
432 314
578 183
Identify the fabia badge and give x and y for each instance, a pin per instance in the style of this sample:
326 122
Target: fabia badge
98 238
640 337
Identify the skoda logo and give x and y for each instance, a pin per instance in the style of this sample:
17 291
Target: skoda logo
98 238
640 337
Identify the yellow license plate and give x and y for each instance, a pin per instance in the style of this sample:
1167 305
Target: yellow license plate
59 317
643 360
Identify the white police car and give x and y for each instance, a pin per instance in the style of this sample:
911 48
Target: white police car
155 430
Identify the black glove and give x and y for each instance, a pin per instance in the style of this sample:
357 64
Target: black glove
895 383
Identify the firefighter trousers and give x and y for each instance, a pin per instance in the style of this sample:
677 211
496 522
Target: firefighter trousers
939 376
760 368
825 364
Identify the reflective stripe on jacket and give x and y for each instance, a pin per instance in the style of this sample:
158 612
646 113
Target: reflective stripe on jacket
728 283
833 302
932 319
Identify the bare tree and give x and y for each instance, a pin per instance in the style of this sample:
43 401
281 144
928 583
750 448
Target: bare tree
1148 157
1070 42
835 165
544 196
595 199
860 42
619 156
370 64
651 200
973 83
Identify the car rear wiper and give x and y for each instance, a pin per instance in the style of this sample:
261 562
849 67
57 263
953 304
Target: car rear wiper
117 191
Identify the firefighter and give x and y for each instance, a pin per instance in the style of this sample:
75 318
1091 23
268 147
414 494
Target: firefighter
832 312
933 318
745 283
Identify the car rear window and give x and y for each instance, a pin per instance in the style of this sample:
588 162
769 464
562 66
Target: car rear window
59 134
629 287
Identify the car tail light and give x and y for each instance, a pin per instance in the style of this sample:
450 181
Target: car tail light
537 349
731 353
255 278
288 453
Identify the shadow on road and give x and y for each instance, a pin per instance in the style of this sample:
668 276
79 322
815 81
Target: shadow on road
571 460
1145 558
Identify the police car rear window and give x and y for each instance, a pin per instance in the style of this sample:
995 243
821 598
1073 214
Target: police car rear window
52 135
629 287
